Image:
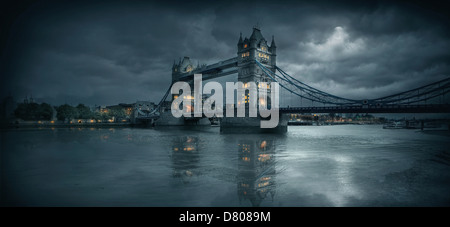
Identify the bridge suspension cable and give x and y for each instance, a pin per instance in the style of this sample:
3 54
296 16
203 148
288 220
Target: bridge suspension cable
156 110
304 91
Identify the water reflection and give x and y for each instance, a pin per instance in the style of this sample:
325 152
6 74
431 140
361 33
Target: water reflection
346 165
256 170
185 157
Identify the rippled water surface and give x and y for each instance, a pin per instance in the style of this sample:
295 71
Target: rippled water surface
348 165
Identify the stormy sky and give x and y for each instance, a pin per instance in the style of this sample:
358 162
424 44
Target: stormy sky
104 53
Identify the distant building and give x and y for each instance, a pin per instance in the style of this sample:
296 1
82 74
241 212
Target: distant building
100 109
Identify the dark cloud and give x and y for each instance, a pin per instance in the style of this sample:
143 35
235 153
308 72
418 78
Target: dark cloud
122 51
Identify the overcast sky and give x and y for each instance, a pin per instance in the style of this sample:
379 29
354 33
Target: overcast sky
122 51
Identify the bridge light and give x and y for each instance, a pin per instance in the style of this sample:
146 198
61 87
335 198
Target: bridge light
263 144
188 108
189 148
263 157
262 102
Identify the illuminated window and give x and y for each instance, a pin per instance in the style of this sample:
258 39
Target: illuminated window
246 98
263 157
189 68
245 45
262 55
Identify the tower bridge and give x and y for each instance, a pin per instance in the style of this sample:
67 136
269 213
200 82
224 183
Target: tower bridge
256 62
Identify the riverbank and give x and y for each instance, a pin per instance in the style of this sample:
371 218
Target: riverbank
67 125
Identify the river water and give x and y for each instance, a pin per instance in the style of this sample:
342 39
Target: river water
347 165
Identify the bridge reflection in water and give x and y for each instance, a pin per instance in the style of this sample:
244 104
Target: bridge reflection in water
345 165
185 157
255 175
256 171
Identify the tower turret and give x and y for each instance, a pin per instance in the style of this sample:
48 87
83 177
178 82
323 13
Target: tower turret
174 67
254 37
273 50
240 43
273 47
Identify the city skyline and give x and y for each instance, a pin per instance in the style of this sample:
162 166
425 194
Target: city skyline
120 52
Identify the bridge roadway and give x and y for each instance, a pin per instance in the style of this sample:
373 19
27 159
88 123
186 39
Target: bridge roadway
424 108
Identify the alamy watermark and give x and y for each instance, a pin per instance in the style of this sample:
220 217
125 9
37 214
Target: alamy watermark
250 96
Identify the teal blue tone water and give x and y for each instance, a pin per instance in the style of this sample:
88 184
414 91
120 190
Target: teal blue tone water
348 165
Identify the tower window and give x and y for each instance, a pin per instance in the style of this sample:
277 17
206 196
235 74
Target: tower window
189 68
262 55
245 45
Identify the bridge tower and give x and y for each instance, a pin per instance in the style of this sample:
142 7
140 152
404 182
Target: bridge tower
183 66
248 50
251 49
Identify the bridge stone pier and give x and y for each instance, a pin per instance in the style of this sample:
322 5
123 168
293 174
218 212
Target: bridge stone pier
249 50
